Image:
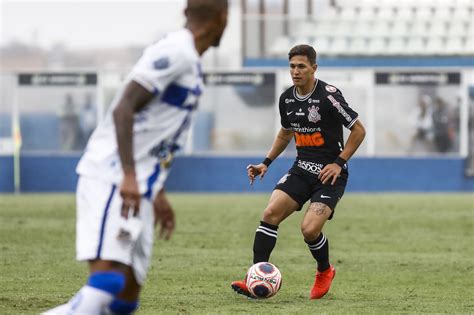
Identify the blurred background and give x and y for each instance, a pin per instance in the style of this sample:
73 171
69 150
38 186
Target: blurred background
406 66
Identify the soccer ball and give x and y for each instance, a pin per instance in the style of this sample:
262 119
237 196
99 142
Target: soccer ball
263 280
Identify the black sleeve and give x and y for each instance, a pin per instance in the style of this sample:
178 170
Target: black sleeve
345 115
283 117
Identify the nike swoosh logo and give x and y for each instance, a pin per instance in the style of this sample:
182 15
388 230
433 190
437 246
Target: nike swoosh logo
325 197
289 113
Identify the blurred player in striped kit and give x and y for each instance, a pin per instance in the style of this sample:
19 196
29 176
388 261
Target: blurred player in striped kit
127 159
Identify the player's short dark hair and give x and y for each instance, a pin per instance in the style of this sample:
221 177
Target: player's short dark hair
303 50
203 10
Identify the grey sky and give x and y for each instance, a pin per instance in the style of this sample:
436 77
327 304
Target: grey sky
84 24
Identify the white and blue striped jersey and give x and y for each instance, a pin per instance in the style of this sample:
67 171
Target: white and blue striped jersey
171 70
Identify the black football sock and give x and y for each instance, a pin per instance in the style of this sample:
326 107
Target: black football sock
265 240
319 248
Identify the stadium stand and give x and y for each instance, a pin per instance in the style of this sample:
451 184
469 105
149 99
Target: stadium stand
386 28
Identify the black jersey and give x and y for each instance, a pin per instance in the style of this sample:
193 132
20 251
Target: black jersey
317 121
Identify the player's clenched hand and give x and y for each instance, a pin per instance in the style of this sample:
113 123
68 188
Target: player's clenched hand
164 214
130 195
330 171
256 170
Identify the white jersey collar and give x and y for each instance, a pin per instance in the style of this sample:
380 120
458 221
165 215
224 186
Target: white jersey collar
304 97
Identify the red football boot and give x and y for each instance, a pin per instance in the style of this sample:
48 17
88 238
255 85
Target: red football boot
322 283
241 287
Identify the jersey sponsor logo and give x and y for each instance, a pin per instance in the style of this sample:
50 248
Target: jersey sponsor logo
339 108
330 88
164 152
312 100
313 115
312 167
305 129
289 100
300 113
309 140
161 63
161 150
181 96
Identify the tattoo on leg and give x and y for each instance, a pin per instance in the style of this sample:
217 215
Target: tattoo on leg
319 209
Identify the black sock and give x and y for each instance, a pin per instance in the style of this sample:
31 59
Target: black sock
265 240
319 248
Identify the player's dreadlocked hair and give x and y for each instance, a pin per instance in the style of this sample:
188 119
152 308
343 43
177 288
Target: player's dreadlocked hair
303 50
203 10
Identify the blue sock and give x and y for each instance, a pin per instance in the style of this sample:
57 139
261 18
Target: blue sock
109 281
98 293
123 307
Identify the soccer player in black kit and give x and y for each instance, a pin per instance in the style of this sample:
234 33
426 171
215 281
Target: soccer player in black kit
313 113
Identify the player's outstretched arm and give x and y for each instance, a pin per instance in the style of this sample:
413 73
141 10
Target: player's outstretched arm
332 171
134 98
279 145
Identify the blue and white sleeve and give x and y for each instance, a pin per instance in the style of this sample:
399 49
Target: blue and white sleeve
157 69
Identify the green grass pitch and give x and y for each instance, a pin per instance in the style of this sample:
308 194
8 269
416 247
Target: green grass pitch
394 253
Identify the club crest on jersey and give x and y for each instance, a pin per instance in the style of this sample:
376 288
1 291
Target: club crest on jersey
330 88
313 115
161 63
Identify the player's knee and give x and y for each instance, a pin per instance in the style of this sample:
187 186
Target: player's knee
310 232
123 307
273 215
109 281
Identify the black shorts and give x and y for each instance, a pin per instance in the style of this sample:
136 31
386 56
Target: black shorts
302 186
